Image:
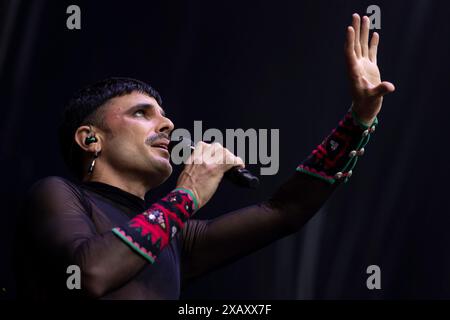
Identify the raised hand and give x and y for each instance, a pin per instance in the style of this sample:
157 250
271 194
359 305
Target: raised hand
365 80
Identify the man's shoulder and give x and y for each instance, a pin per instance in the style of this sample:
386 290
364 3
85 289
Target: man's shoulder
52 196
51 182
53 186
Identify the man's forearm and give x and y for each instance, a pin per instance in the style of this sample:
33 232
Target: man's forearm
112 259
335 158
150 232
210 244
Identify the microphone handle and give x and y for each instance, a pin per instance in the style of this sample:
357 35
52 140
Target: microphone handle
242 177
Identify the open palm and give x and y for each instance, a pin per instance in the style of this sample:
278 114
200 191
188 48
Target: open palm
365 80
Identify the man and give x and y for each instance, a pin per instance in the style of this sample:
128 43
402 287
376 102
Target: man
114 137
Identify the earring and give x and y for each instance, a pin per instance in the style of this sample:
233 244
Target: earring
91 167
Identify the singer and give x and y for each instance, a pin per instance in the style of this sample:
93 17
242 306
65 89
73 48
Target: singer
114 137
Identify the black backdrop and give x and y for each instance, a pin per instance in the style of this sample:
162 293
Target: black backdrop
265 64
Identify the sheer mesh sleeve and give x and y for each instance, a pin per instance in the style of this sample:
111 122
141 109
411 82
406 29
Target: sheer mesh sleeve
59 228
209 244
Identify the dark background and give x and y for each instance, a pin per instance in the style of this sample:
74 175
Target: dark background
265 64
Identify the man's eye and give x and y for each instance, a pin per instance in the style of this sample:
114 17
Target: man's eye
139 113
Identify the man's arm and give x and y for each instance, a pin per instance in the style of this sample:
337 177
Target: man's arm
61 226
210 244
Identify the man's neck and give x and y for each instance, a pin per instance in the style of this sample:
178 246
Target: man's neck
133 186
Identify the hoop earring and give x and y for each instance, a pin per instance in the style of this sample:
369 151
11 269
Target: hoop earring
91 167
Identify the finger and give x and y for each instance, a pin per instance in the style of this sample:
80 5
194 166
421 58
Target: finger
235 162
382 89
193 155
373 49
239 162
199 152
365 36
200 145
210 153
216 149
219 157
350 41
227 156
233 159
220 154
216 146
350 46
356 23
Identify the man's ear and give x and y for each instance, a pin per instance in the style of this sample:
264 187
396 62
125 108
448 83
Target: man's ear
88 138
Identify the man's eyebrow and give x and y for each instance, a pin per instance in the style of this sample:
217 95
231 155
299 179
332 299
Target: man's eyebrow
147 106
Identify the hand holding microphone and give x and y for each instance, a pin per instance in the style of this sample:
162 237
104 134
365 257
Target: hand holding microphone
207 165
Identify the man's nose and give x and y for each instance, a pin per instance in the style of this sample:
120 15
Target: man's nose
166 125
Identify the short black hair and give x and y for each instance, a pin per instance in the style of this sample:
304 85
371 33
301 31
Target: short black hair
83 109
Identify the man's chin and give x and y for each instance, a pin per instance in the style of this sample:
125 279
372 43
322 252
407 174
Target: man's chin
164 171
167 167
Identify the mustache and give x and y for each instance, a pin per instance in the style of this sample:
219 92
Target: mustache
157 136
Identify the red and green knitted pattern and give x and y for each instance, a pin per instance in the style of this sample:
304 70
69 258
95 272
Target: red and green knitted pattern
337 155
151 231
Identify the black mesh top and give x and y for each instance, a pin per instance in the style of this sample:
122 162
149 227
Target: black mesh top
64 224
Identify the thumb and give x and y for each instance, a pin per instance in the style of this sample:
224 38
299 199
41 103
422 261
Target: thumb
382 89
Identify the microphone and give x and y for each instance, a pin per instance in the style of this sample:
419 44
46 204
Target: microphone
238 176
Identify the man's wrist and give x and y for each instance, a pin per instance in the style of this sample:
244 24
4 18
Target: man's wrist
151 231
192 195
335 158
363 121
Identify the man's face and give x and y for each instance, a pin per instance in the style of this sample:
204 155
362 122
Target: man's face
136 145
